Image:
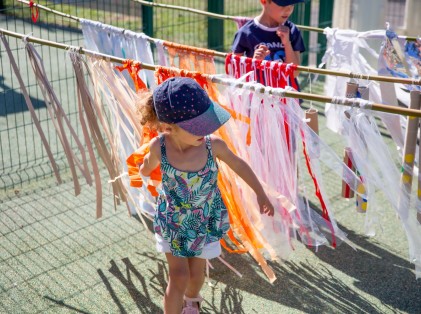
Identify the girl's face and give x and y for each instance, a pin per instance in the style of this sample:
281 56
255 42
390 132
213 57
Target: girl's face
278 13
185 138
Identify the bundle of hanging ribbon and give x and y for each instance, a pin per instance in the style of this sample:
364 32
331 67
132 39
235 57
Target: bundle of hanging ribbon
269 129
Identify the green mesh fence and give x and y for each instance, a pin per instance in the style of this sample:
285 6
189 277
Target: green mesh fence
22 157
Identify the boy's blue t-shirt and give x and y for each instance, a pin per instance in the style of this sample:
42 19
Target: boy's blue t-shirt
252 34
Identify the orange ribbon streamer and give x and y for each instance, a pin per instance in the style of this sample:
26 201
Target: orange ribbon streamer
137 158
133 67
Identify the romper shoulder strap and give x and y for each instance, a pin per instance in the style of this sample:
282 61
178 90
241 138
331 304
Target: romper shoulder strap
209 146
208 143
163 148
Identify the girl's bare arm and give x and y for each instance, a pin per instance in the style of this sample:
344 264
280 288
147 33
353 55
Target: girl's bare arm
240 167
152 159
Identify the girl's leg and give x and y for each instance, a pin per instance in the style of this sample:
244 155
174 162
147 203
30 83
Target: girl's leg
197 276
178 268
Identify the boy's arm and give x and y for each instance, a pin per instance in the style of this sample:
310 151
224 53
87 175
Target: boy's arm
260 53
240 167
151 160
291 56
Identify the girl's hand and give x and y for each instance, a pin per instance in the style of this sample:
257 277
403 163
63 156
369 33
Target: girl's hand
261 52
240 167
283 33
265 205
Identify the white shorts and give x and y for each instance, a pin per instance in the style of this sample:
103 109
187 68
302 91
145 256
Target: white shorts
210 250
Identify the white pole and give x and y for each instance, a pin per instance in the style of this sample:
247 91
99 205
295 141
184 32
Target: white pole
341 14
368 15
412 26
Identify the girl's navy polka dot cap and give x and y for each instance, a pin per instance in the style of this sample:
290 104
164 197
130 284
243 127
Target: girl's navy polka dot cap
181 101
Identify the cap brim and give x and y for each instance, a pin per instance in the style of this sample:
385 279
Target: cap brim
284 3
208 122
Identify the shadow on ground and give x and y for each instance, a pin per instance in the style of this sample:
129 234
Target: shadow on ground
377 272
142 299
12 102
63 304
302 286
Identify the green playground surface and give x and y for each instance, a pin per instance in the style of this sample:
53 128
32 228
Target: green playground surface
56 257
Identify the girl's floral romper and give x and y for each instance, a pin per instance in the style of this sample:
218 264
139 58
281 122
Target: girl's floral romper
190 211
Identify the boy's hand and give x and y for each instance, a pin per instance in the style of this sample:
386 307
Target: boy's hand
265 205
261 52
283 33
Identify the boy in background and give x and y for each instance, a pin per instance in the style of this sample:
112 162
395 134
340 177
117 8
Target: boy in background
271 36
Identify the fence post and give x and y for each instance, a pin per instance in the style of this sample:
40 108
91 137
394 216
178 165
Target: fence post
301 16
216 26
147 19
325 20
413 23
306 35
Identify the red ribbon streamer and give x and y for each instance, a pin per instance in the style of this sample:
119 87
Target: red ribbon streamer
34 11
325 213
269 73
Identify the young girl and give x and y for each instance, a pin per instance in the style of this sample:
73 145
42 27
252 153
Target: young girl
191 216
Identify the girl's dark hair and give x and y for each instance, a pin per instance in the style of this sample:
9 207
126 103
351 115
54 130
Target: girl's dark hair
146 111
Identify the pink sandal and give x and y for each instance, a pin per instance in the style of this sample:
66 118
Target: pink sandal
189 307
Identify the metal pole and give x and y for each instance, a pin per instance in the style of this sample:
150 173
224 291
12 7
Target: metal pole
301 15
412 19
147 19
325 20
216 26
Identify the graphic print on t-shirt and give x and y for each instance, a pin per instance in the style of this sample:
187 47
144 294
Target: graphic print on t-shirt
277 52
279 55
